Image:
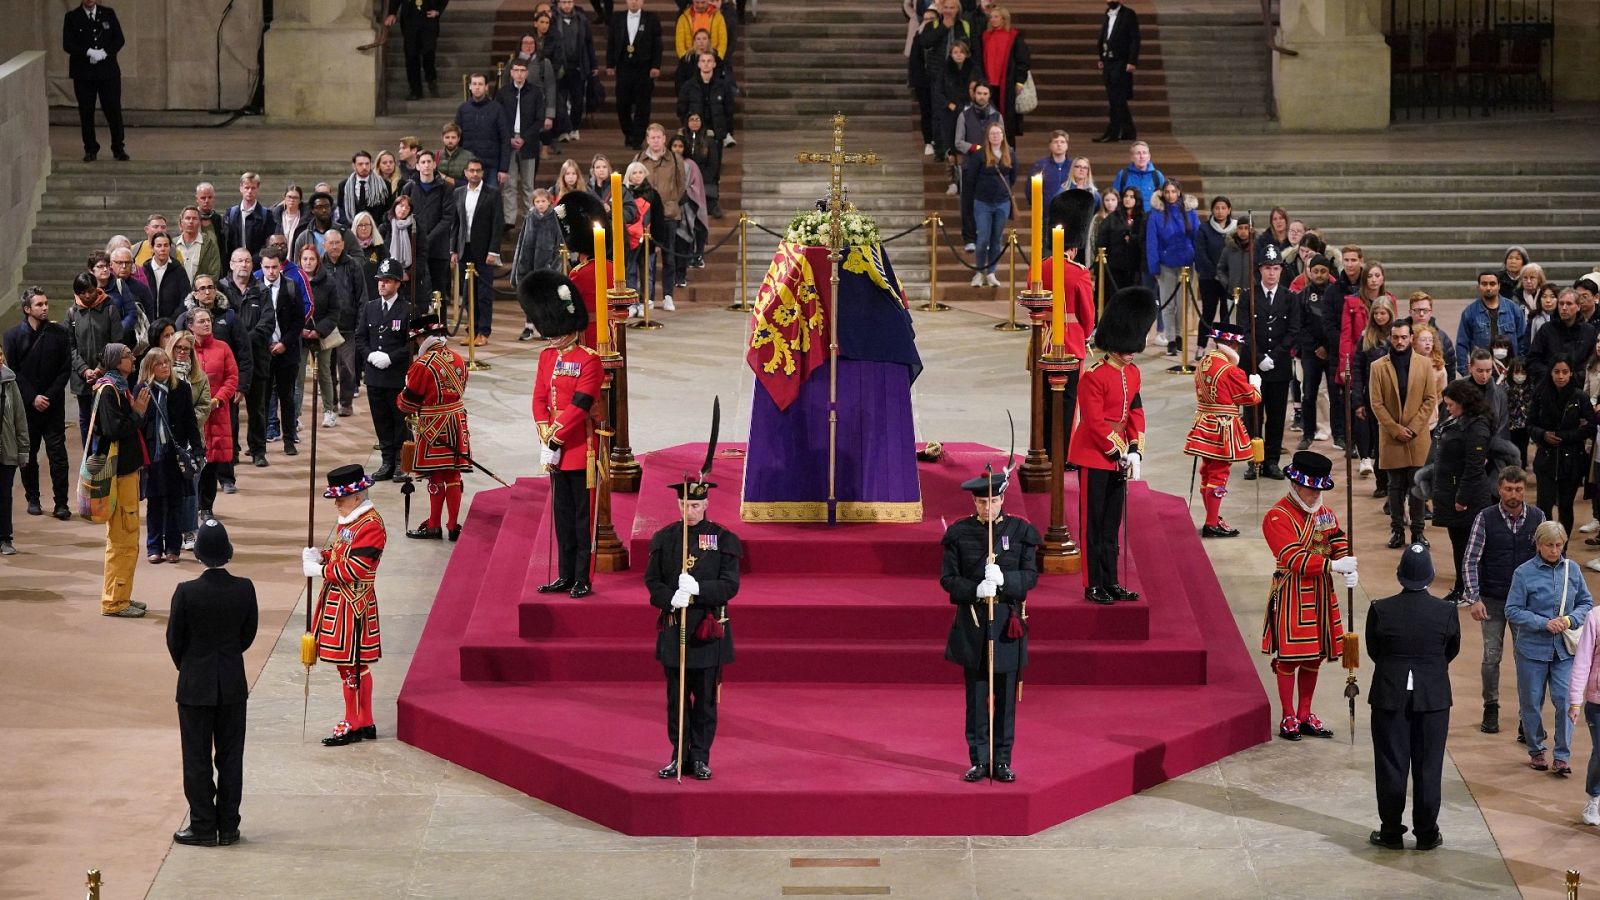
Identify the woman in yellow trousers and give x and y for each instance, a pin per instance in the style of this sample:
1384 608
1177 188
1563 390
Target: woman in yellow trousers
118 421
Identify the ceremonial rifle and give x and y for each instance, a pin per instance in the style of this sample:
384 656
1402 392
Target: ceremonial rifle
1350 652
683 614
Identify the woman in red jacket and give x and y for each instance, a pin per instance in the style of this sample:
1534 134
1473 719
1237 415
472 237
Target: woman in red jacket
216 360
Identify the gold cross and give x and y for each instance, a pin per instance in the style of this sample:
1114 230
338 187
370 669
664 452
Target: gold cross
837 160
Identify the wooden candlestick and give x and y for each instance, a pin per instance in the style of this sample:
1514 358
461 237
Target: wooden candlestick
625 470
1059 553
1035 469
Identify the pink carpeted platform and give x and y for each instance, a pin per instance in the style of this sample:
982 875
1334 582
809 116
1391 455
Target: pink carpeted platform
840 715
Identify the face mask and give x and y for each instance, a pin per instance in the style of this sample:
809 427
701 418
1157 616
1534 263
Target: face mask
1499 353
1519 378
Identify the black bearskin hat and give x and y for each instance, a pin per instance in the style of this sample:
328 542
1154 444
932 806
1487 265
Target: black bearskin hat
552 303
1126 321
578 212
1074 211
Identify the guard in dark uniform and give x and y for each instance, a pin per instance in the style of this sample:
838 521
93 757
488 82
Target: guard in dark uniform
971 578
419 27
92 37
703 591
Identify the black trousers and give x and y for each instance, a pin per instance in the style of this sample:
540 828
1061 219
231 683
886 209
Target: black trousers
700 718
234 408
635 90
483 289
1104 496
1119 90
387 422
421 42
1214 300
212 735
1314 372
569 499
256 411
574 87
1409 743
1005 715
1401 499
284 369
107 89
1274 408
50 428
1557 495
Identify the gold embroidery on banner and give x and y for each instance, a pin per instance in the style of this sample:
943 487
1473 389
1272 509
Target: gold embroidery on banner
788 292
904 512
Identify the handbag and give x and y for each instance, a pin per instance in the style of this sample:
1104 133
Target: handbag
186 461
333 340
96 500
1572 635
1027 96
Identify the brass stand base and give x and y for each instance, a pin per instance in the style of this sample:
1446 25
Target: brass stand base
1012 326
934 306
1035 473
1181 369
737 307
625 471
478 366
649 324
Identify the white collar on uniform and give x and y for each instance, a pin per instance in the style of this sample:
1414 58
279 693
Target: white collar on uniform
355 513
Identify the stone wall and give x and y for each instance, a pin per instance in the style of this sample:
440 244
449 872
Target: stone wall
23 167
171 60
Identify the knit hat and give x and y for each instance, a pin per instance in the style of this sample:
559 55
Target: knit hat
1320 260
211 544
1415 571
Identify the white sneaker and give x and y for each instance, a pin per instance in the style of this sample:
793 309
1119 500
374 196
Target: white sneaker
1593 565
952 190
728 141
667 304
330 419
1323 435
635 311
1591 527
977 280
188 540
992 280
576 136
927 149
1366 467
1591 811
970 247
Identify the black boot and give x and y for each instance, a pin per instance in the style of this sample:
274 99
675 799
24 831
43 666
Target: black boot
1397 539
1250 472
1491 719
557 586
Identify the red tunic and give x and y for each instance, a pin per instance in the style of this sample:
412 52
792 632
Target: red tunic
583 277
349 600
565 389
1218 432
435 385
1080 302
1303 621
1110 415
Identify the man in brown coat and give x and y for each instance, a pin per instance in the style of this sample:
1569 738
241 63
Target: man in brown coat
664 171
1403 395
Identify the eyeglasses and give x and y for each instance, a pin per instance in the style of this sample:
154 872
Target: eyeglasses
203 287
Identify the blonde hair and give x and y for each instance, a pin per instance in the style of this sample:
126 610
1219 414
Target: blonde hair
1375 333
377 239
1003 14
1549 531
1417 330
147 365
568 165
393 180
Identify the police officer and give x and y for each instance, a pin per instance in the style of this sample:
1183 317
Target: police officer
989 557
692 591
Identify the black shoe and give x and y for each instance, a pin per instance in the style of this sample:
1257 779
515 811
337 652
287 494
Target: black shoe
1119 592
62 512
1099 595
1377 839
90 156
1417 538
1271 470
558 586
259 460
424 533
1002 772
120 155
1382 492
1106 138
369 732
1289 728
454 533
227 838
1219 530
196 838
581 589
526 335
34 509
976 773
702 772
1491 720
1385 509
385 472
351 736
289 450
1172 348
413 95
670 770
1250 472
1312 727
1396 540
1430 842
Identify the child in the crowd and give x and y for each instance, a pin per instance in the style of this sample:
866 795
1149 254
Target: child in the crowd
538 247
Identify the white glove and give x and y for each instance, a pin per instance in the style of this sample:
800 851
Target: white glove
985 589
548 457
311 562
378 359
680 600
1134 461
1344 565
1255 382
991 572
1350 580
688 584
96 54
1267 364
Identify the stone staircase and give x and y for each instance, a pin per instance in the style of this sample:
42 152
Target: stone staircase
465 46
86 203
1215 70
1434 225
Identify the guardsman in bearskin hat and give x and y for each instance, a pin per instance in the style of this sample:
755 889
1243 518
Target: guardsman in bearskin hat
1218 437
989 556
700 581
1074 212
435 391
565 391
1108 437
1303 626
347 613
578 212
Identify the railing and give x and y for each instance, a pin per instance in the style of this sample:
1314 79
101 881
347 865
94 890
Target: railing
1471 55
1269 28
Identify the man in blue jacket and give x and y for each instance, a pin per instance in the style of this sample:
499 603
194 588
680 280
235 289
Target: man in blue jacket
483 129
1486 318
1139 173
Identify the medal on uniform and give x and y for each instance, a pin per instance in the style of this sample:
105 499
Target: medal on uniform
345 534
567 369
708 542
630 51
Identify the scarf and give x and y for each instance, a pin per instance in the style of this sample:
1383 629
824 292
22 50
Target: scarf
377 194
400 241
158 398
1224 228
1308 509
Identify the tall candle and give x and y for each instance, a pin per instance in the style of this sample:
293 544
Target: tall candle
602 312
619 276
1036 232
1058 299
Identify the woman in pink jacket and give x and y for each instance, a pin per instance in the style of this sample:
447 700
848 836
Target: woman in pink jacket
216 360
1583 703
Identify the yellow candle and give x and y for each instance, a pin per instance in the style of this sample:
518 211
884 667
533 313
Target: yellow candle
1036 231
619 275
601 311
1058 299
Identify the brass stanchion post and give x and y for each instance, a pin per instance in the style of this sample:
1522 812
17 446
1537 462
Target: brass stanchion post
933 304
565 256
455 292
1573 880
743 303
1182 299
1011 323
1099 282
93 883
646 323
436 305
473 363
